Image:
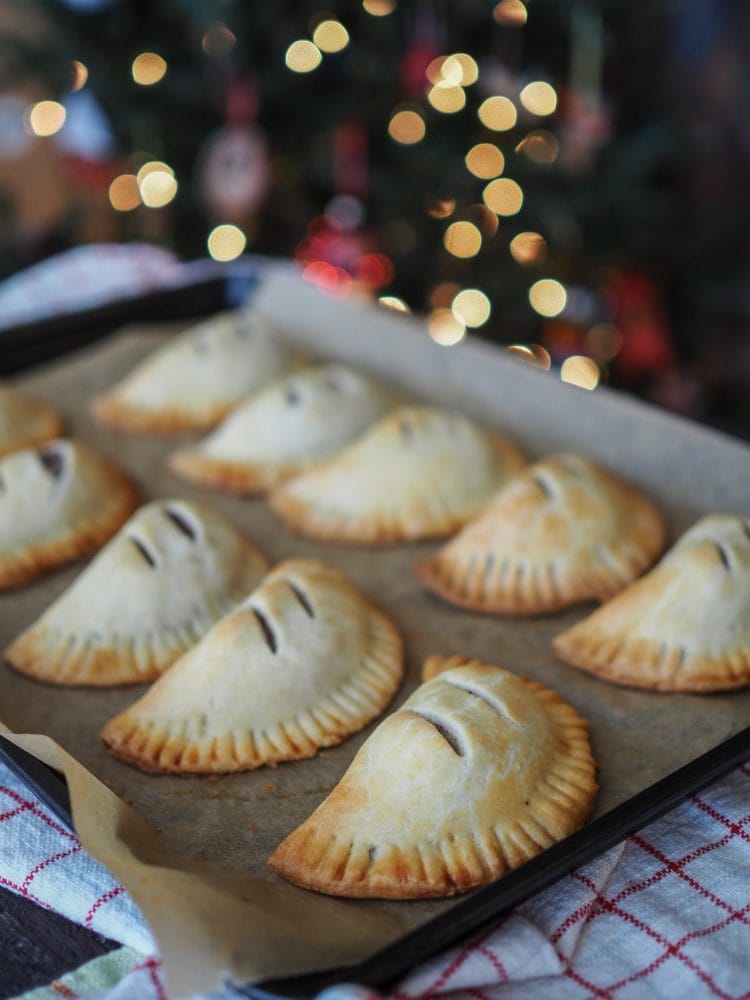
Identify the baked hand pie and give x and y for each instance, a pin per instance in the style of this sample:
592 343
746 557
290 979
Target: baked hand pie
418 473
297 421
58 501
170 572
195 379
563 531
685 626
478 771
300 664
25 421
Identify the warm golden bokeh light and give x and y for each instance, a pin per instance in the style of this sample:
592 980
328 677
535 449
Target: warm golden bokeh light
331 36
407 127
218 41
461 68
471 307
441 208
548 297
45 118
379 8
152 166
484 218
302 56
532 354
447 100
498 113
510 13
148 68
226 242
581 371
394 302
504 196
528 248
462 239
539 98
80 75
540 146
124 194
158 188
604 341
444 328
485 160
442 295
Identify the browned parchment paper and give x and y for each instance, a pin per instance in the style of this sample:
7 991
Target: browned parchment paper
236 820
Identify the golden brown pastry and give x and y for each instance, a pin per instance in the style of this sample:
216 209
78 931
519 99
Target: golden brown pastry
563 531
478 771
196 378
59 501
685 626
301 664
290 425
418 473
170 572
25 421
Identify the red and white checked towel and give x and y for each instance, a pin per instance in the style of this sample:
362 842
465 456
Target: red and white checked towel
664 914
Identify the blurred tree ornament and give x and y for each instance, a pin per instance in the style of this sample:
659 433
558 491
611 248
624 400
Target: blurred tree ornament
638 312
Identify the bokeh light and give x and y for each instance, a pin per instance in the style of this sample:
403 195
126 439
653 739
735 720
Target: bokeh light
124 193
226 242
604 341
45 118
394 302
441 208
472 307
498 113
218 41
407 127
157 188
462 239
444 328
303 56
539 146
547 297
80 75
528 248
539 98
485 160
461 68
510 13
504 196
581 371
379 8
442 295
532 354
331 36
447 100
148 68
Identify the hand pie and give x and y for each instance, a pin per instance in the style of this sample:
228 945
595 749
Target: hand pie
195 379
301 664
418 473
170 572
25 421
478 771
683 627
58 502
561 532
292 424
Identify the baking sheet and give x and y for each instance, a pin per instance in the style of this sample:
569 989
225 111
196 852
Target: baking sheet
236 820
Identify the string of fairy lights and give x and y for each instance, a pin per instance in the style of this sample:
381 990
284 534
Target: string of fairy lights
448 77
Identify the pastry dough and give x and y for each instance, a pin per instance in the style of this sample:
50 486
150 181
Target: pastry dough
59 501
303 662
171 571
25 421
288 426
683 627
562 532
477 772
418 473
196 378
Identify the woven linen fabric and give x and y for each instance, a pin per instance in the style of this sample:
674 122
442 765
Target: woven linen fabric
664 914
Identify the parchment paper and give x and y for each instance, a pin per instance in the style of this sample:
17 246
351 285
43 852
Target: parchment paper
251 924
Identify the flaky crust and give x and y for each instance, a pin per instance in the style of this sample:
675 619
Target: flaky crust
304 662
193 381
25 421
48 518
167 576
419 473
683 627
289 426
562 532
476 773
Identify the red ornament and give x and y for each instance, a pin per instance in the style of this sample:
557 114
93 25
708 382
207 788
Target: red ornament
638 312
